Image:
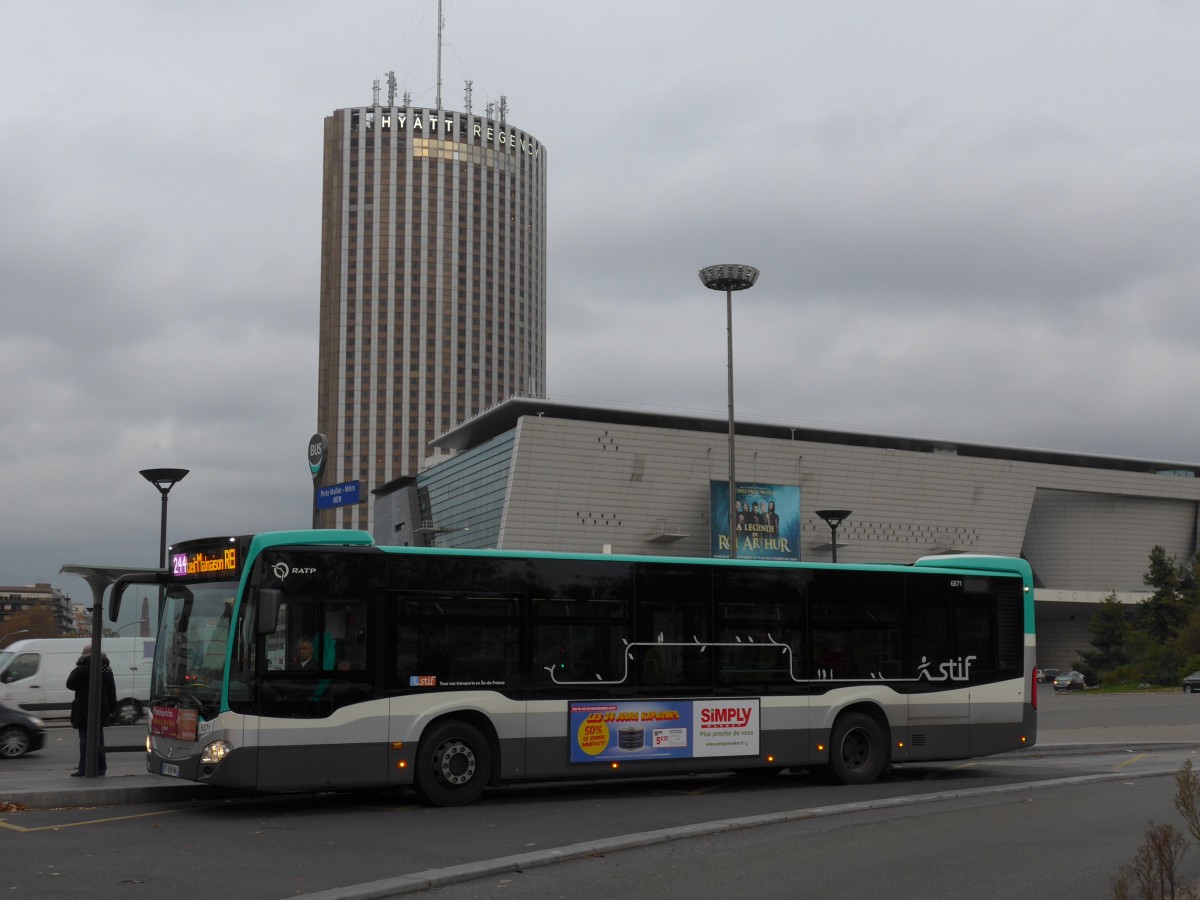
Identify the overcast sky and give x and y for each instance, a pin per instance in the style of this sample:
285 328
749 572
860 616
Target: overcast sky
973 220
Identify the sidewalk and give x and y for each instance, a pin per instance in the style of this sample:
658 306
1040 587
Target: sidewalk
42 780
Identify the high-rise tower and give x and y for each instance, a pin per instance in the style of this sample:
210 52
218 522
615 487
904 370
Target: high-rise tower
433 283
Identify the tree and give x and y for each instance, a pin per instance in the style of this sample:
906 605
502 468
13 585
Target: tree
1188 639
1165 612
1110 636
35 622
1163 574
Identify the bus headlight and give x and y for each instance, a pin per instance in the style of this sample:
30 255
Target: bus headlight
215 751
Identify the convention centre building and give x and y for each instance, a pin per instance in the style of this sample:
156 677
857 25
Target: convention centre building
536 474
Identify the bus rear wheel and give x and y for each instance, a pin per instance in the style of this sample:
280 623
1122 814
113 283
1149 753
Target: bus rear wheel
857 749
454 764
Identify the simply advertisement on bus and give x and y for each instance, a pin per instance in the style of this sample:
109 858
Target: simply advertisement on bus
663 729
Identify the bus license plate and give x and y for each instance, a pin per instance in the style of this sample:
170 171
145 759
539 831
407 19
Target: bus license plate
169 769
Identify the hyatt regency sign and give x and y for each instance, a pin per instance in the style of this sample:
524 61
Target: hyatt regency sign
431 125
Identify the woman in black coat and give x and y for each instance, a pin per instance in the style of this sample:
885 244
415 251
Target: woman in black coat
78 681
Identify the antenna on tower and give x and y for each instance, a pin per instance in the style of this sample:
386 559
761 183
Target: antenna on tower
441 25
375 92
467 103
391 80
407 99
503 108
490 110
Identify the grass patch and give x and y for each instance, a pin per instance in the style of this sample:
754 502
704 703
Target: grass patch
1132 688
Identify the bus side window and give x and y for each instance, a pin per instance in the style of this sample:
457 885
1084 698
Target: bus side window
928 599
345 624
857 626
761 629
457 639
674 623
580 623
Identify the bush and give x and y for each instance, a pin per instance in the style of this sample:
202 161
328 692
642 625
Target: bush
1130 673
1154 872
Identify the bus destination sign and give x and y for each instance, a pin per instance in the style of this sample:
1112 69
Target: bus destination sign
219 562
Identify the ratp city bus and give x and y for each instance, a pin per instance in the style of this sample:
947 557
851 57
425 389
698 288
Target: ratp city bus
315 660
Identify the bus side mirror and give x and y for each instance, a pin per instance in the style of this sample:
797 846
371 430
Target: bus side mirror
118 588
114 601
269 601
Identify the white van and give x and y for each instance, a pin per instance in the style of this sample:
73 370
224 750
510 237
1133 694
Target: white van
33 674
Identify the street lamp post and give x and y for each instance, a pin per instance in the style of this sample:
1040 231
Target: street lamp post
834 518
12 633
164 480
730 277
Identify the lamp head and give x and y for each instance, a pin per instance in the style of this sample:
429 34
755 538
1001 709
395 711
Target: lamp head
729 277
834 517
164 479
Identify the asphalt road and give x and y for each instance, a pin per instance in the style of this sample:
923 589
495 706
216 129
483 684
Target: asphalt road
1092 717
1064 844
1029 823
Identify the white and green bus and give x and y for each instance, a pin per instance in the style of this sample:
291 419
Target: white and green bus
315 660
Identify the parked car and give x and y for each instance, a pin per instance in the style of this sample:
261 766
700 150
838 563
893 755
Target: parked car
1191 684
20 733
1047 675
1069 681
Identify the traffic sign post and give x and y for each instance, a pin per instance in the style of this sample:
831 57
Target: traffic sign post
318 455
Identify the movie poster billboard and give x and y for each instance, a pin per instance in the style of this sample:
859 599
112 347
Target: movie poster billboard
768 520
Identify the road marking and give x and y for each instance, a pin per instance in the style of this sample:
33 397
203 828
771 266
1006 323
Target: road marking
1132 760
23 830
696 792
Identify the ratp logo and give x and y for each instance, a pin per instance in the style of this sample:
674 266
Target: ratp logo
282 570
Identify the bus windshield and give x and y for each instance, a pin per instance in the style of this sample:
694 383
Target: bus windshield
189 665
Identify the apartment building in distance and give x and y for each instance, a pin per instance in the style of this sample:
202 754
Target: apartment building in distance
15 600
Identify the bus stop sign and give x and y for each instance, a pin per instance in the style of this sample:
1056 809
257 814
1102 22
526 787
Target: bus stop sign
318 451
331 496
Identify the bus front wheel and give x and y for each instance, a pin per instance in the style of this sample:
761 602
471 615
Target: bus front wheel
454 764
857 749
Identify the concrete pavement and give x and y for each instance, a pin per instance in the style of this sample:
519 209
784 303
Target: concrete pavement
42 780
